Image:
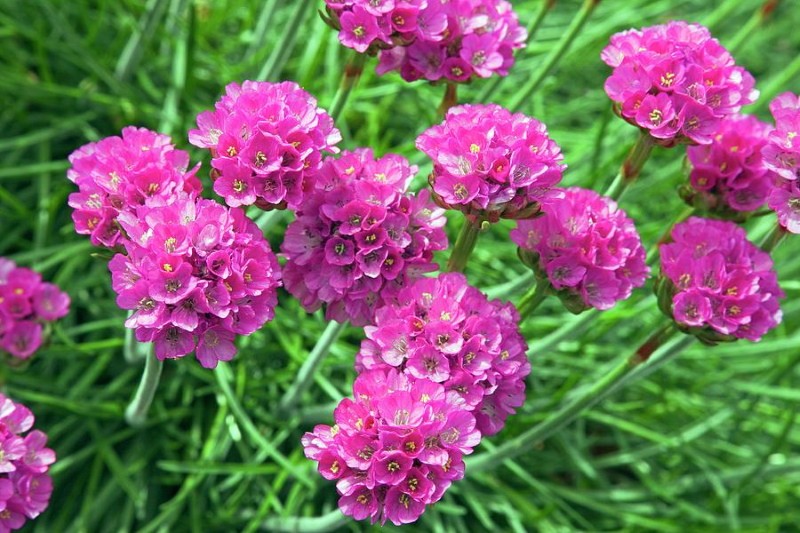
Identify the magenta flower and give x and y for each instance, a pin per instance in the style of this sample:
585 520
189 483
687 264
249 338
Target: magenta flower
196 274
395 448
445 331
716 284
782 156
490 163
118 174
371 25
25 485
675 82
587 249
360 236
266 142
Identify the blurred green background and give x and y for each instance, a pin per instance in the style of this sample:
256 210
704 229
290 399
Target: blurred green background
709 443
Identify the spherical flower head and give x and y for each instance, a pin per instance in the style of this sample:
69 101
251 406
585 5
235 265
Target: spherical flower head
266 142
675 82
443 330
717 285
195 274
26 305
729 176
395 448
118 174
25 484
490 163
457 41
586 248
368 26
782 156
360 236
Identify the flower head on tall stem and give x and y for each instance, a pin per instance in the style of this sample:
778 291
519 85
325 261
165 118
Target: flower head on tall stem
782 156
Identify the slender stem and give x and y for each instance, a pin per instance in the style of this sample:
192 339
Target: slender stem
631 166
350 76
773 238
315 524
465 243
286 43
758 18
555 55
449 99
136 412
652 255
133 350
571 329
532 299
306 374
629 369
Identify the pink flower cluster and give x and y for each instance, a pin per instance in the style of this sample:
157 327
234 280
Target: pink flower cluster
490 163
716 284
458 40
586 247
25 304
25 485
782 155
196 274
266 142
443 330
675 81
729 175
119 173
359 236
368 25
396 447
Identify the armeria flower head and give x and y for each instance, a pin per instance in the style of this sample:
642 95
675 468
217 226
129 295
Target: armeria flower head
360 236
196 274
586 248
371 25
118 174
448 332
490 163
26 304
675 82
782 156
457 41
25 484
717 285
729 176
266 142
395 448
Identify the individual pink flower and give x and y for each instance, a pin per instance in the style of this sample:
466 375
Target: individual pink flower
716 284
360 236
675 82
445 331
490 163
117 174
782 156
195 274
266 142
395 448
586 248
371 25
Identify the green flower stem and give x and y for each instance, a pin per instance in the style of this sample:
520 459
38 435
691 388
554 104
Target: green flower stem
531 300
315 524
465 243
283 49
761 14
136 412
629 370
632 166
571 329
350 76
306 374
773 238
449 99
133 350
556 54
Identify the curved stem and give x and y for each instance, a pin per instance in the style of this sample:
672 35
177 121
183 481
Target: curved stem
631 166
306 373
350 76
133 350
315 524
773 238
465 243
532 299
136 412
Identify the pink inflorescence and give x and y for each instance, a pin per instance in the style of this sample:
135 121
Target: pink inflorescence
586 248
490 163
371 25
360 236
196 274
729 175
25 485
458 40
716 284
782 155
25 304
675 81
443 330
120 173
395 448
266 142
